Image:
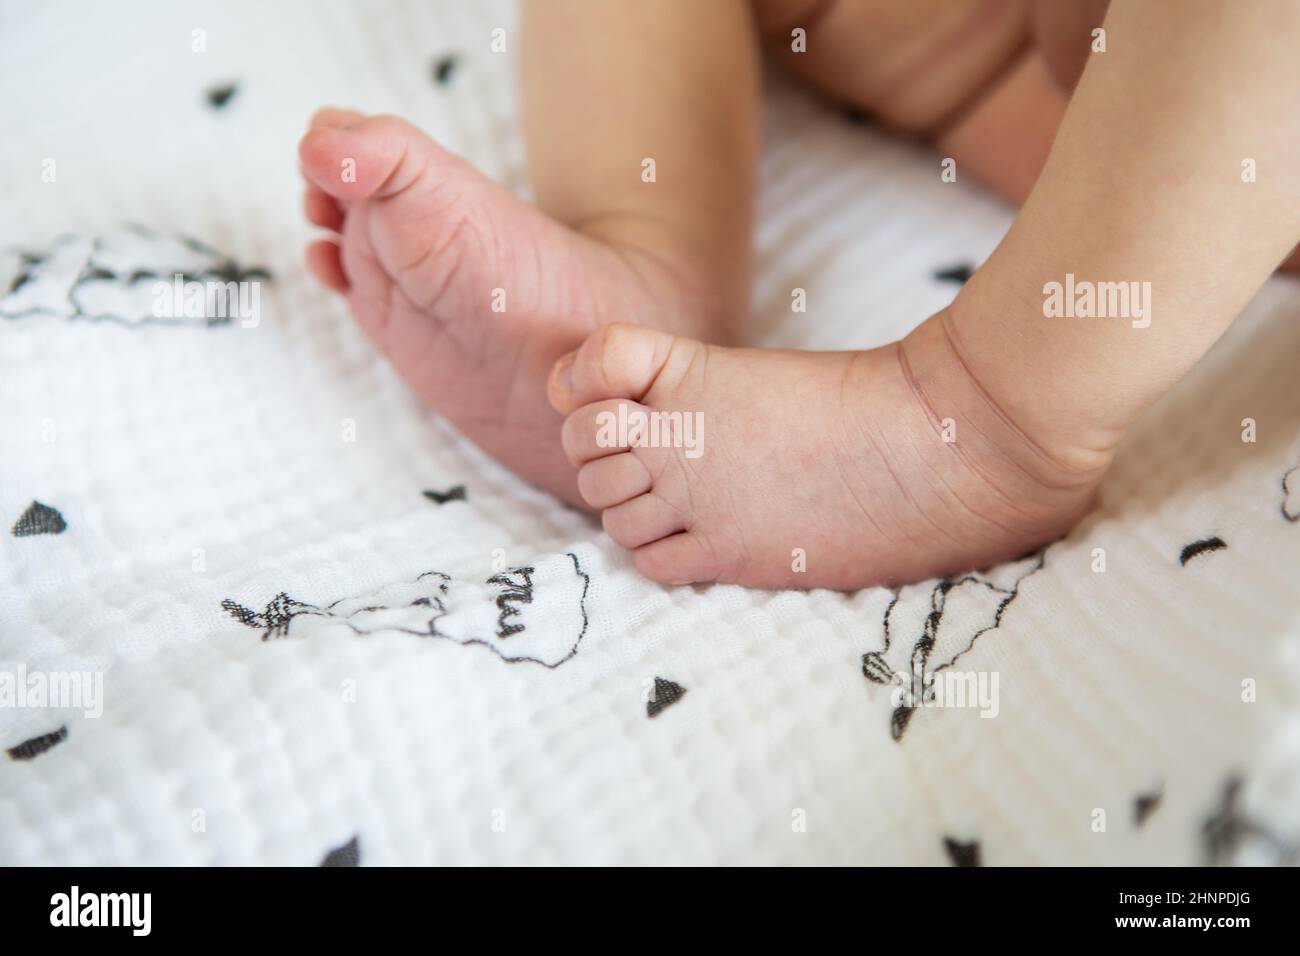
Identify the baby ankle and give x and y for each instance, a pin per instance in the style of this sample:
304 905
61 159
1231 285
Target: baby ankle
957 393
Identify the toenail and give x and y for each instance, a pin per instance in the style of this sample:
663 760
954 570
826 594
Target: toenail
564 373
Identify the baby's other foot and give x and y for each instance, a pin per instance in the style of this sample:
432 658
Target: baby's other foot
471 293
808 469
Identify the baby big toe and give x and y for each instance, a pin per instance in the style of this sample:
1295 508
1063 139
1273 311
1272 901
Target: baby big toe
616 361
377 156
331 117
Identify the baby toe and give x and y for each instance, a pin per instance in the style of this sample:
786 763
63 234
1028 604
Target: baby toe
375 157
683 558
326 264
616 361
612 480
599 430
644 519
334 118
322 209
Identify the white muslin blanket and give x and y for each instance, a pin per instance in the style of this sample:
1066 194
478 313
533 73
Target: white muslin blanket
258 605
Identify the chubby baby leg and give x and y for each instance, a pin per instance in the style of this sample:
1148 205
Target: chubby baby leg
984 432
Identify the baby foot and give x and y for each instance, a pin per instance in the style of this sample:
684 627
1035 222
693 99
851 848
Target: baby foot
808 469
471 293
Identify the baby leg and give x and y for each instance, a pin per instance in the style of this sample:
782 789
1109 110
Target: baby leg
983 433
642 129
1003 138
1146 183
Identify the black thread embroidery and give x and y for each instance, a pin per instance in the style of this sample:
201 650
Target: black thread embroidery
1229 829
1204 546
582 605
443 68
455 493
197 245
274 620
962 853
874 667
29 261
38 745
899 719
877 670
349 854
957 273
518 591
219 96
665 694
39 519
420 616
72 306
1145 804
1290 513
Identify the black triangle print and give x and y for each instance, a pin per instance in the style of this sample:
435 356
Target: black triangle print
20 280
38 745
1144 805
962 854
666 693
958 273
349 854
219 96
456 493
39 519
443 68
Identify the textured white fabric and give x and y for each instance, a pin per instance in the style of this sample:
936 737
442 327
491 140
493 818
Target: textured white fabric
211 498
